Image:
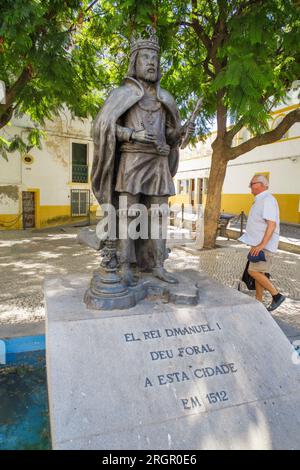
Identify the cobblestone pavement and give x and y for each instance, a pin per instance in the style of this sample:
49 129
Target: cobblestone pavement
226 264
290 231
26 257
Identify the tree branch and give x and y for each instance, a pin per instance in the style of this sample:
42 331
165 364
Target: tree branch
220 32
27 73
183 23
6 116
80 17
207 18
12 92
244 5
268 137
198 28
219 36
212 12
207 69
234 130
221 115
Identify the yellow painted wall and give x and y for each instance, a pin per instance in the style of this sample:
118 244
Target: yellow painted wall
59 215
93 209
54 215
46 216
10 221
179 199
288 205
184 199
236 203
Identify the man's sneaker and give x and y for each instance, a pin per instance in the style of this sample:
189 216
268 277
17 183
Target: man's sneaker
275 303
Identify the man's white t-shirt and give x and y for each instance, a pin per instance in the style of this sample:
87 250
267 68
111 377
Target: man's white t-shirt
265 208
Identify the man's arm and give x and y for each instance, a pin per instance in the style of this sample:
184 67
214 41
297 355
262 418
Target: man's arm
271 225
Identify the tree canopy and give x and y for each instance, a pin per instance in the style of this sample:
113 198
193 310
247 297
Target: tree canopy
48 58
244 52
240 56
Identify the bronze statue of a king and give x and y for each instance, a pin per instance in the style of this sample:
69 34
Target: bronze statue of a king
137 135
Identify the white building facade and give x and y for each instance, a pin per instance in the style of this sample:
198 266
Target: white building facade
279 161
50 186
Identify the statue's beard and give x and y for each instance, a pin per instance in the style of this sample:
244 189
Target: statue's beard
148 76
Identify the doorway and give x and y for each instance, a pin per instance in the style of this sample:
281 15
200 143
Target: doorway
192 196
28 209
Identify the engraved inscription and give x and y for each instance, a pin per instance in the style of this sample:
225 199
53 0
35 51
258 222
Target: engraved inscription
193 373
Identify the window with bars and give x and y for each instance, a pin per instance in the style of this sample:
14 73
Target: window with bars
183 186
80 202
79 163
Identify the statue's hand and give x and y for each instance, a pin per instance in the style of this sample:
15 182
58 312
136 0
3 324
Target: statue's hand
143 136
163 150
187 128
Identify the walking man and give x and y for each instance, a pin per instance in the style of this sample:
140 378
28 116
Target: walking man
262 234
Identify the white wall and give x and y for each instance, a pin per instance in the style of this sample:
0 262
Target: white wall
51 170
10 171
281 159
284 176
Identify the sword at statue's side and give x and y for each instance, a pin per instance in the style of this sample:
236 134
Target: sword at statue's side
191 120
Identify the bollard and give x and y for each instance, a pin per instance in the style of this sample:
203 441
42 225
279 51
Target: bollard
242 215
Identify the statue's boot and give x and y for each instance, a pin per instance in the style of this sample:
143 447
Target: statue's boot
162 274
159 271
128 279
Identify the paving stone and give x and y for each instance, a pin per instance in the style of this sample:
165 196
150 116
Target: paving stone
26 257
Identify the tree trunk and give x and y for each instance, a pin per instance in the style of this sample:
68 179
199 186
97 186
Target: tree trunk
213 202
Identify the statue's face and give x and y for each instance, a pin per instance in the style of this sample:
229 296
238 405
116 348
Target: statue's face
147 65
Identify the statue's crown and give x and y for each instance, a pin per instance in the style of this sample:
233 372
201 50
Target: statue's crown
150 42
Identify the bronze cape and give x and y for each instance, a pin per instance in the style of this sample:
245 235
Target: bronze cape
106 146
107 154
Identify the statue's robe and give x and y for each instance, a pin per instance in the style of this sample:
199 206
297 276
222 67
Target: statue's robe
107 148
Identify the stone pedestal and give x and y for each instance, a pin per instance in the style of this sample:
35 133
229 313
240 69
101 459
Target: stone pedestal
217 375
